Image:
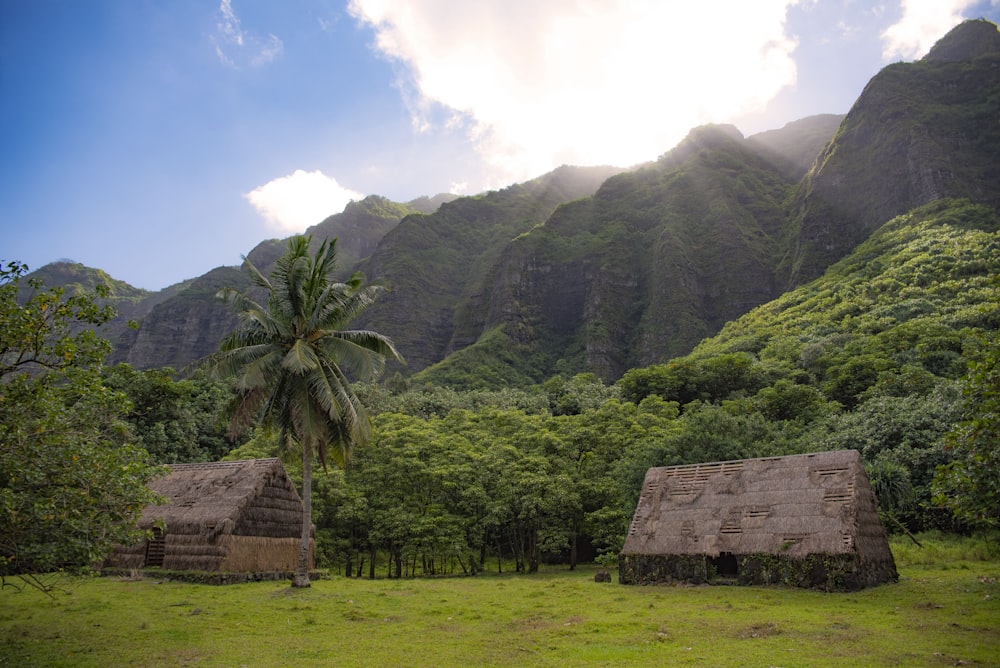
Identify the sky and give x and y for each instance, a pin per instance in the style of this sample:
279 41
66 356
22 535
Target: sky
159 140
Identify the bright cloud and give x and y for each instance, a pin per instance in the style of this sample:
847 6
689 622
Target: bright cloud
235 46
923 23
542 83
292 203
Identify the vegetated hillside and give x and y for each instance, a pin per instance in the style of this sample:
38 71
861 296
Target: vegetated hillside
909 303
655 261
435 264
919 132
361 226
183 328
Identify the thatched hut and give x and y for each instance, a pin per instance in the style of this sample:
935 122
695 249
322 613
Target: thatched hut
242 516
807 520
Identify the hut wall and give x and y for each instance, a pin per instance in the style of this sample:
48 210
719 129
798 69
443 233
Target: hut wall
192 552
259 554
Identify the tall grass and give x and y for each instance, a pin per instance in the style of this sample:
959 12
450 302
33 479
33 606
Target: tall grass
940 550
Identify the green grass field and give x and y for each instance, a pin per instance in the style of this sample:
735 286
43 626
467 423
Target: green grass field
944 611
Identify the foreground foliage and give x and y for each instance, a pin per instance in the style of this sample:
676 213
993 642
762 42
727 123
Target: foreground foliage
71 482
942 612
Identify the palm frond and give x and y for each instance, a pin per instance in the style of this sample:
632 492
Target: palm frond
300 358
363 352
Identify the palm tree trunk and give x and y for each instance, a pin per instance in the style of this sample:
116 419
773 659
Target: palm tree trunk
302 574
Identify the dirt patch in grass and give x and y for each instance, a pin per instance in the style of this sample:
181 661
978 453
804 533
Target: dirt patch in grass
764 630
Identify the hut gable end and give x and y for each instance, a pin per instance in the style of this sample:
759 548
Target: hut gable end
800 519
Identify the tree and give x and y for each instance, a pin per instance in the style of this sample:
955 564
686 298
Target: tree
970 485
71 484
291 358
174 420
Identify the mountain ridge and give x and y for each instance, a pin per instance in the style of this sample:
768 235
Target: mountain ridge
602 271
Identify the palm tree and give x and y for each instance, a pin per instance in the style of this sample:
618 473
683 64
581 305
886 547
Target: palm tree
291 360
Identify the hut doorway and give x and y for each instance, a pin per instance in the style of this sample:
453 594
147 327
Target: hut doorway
155 549
725 565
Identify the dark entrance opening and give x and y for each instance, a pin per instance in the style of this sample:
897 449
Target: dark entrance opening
155 549
726 565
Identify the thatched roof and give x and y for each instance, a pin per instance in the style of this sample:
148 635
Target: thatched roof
791 506
251 497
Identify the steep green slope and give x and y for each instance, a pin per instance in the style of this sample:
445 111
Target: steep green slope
904 306
184 328
866 357
656 260
130 302
919 131
76 278
663 257
435 263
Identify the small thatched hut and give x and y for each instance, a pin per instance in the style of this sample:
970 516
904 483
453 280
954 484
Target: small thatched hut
240 516
806 520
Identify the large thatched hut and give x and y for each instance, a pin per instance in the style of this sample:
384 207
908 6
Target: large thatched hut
807 520
242 516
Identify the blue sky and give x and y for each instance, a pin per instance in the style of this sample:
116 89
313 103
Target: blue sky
158 140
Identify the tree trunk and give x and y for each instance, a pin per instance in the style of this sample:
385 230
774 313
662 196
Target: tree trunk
302 574
573 545
533 556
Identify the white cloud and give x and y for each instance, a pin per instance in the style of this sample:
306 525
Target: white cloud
923 23
292 203
542 83
267 51
229 24
235 46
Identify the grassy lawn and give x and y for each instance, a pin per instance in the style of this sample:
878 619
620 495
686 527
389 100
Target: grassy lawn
944 611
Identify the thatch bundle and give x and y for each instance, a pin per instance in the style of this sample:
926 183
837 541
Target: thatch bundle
230 516
256 553
696 521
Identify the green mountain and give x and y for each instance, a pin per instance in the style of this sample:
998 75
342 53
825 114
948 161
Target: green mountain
661 258
640 271
919 132
799 142
435 264
602 270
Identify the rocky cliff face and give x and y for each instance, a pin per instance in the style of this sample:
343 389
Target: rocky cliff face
919 132
436 265
656 260
185 328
